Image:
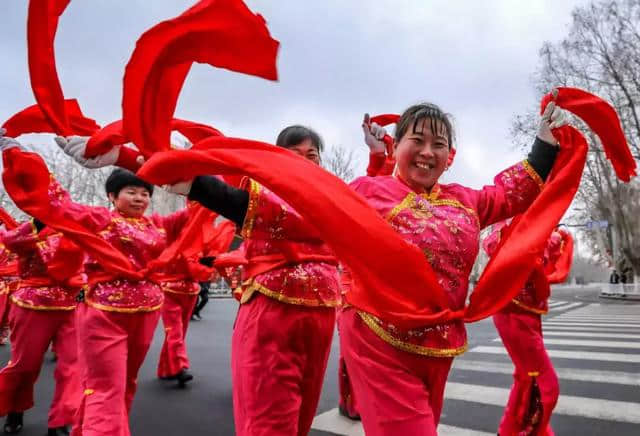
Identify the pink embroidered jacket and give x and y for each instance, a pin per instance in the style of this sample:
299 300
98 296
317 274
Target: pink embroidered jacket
445 224
286 260
140 239
34 252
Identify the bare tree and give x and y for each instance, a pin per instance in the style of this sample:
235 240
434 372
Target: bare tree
601 54
341 161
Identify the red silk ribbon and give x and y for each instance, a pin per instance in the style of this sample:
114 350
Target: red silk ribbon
222 33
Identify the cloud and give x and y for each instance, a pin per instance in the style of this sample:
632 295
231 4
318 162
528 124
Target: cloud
338 59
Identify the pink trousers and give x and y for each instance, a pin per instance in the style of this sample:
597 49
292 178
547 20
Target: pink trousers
112 347
176 313
278 359
32 331
535 389
399 393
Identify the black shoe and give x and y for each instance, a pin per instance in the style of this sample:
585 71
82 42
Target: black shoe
13 423
58 431
183 377
169 377
342 411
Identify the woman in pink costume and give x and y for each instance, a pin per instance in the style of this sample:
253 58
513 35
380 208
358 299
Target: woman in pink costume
535 389
42 313
398 376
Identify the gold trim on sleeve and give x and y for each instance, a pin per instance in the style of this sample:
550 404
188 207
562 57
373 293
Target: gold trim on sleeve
533 174
254 195
370 321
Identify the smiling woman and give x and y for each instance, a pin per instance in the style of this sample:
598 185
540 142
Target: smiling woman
396 372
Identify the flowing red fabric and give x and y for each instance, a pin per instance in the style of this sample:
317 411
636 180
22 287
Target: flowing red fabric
386 262
26 179
33 120
7 220
601 117
113 134
190 244
67 261
384 266
562 266
42 23
219 240
222 33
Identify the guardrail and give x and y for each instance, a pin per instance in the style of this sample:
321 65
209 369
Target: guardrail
220 289
620 290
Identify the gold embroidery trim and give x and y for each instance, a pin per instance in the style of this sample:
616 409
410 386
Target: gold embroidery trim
529 308
533 174
26 305
370 321
88 391
533 374
404 204
409 200
252 210
253 286
456 203
122 309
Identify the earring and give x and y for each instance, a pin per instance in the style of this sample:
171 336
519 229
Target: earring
446 167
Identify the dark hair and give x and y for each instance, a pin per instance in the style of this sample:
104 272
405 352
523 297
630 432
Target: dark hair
418 112
121 178
294 135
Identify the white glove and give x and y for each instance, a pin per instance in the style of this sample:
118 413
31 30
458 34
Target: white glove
6 142
180 188
552 118
75 147
373 134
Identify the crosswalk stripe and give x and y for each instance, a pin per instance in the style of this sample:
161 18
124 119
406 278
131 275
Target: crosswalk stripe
332 422
593 335
587 343
556 303
620 411
596 320
587 375
449 430
574 315
591 324
562 354
565 307
546 328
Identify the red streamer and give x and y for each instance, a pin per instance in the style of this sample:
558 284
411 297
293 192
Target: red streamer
222 33
33 120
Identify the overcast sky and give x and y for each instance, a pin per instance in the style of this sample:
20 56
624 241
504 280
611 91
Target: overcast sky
337 60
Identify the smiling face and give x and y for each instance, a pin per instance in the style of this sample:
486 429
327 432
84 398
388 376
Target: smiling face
422 153
131 201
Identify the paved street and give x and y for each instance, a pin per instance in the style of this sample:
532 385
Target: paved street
595 346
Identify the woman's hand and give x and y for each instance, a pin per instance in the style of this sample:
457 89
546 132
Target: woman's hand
7 142
552 118
75 147
373 134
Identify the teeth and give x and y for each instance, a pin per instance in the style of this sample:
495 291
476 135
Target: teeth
424 166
